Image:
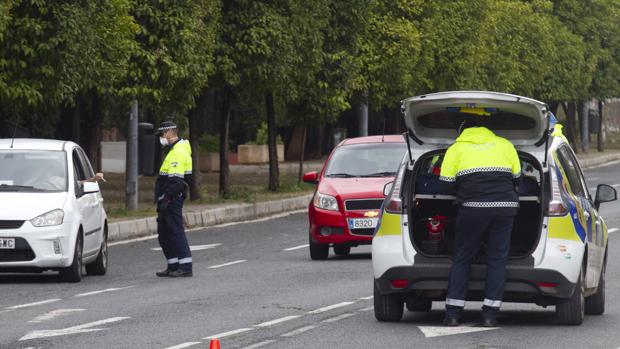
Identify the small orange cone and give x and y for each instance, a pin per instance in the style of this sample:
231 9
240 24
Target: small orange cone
214 344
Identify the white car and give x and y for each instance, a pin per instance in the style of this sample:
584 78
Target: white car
558 248
50 217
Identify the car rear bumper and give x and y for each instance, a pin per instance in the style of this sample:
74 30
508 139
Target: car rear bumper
523 283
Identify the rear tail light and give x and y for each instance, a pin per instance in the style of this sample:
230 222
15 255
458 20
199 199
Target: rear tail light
548 287
400 283
394 203
557 206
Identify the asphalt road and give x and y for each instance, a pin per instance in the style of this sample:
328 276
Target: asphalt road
254 286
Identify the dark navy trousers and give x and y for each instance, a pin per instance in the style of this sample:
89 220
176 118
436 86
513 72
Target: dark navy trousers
171 235
471 230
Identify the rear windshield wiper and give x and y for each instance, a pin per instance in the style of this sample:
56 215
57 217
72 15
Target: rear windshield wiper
380 174
342 175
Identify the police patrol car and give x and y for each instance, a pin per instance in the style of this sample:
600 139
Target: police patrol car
558 248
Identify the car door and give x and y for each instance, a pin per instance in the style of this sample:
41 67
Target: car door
88 204
588 217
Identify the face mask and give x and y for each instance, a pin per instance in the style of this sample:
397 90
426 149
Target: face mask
163 141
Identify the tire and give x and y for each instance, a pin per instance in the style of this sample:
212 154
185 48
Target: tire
342 250
73 273
318 251
388 307
595 304
420 304
100 265
571 311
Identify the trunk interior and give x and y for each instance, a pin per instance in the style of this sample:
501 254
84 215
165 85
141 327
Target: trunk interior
432 215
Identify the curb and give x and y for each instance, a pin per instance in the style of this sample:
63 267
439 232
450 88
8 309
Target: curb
141 227
598 160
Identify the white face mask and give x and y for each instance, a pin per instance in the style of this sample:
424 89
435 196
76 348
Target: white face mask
163 141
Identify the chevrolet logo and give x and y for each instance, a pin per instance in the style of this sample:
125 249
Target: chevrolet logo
371 214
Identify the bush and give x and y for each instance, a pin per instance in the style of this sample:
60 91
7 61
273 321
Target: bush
262 135
209 143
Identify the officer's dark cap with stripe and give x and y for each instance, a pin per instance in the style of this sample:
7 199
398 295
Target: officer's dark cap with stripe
165 126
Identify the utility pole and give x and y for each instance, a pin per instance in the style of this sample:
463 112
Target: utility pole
131 163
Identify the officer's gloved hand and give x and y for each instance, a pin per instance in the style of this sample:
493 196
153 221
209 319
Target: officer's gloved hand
162 204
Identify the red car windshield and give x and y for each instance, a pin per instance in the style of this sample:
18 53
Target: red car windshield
366 160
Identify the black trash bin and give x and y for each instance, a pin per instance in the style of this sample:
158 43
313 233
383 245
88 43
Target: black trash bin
147 149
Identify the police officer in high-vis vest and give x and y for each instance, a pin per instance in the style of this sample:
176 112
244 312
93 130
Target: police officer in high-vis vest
482 170
171 189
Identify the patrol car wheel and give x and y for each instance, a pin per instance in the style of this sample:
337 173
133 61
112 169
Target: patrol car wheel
387 307
73 273
342 250
571 311
595 304
100 265
420 304
318 251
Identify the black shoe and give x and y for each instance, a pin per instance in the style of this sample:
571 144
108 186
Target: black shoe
180 273
450 321
489 322
164 273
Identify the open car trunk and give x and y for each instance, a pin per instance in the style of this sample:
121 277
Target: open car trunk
432 215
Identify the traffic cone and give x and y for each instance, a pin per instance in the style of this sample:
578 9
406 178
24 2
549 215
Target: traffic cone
214 344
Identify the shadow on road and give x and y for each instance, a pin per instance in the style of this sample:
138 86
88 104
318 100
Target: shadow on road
29 278
507 318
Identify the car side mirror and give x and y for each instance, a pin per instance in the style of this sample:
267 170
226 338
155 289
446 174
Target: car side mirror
90 187
605 193
387 188
311 177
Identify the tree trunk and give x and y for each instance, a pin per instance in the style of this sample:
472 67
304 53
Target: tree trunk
301 153
361 109
600 139
194 117
224 188
273 152
5 129
570 133
583 123
75 120
92 135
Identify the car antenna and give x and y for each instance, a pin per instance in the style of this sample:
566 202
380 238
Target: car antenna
14 132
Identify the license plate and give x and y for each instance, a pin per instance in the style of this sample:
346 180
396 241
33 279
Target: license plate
362 223
7 244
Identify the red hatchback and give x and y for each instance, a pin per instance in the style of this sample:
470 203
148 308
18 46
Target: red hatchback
345 208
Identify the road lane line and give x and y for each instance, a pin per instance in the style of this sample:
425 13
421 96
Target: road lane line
47 301
367 309
366 298
229 333
54 314
101 291
227 264
299 331
260 344
338 318
612 230
277 321
330 307
615 185
184 345
71 330
296 247
194 247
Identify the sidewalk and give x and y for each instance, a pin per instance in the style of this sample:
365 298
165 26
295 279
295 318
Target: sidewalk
210 215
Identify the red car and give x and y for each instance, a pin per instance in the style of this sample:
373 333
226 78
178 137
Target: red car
345 208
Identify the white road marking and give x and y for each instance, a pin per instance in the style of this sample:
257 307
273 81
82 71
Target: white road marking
102 291
438 331
54 314
615 185
71 330
154 236
612 230
227 264
367 309
277 321
184 345
260 344
194 247
593 178
299 331
365 298
47 301
338 318
229 333
296 247
330 307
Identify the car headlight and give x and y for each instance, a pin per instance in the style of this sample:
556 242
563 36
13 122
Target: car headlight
54 217
326 202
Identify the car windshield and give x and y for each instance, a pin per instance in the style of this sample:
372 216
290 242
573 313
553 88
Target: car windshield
33 171
366 160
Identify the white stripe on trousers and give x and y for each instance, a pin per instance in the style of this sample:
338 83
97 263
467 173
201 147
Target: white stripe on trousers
492 303
455 302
